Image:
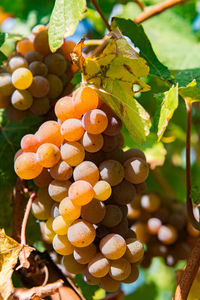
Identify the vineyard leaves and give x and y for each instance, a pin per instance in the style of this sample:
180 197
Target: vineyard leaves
191 92
64 20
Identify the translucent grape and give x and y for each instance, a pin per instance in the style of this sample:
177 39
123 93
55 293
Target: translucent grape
141 232
102 190
85 99
124 192
111 171
114 123
89 279
120 269
92 142
22 78
40 106
27 166
49 132
68 210
99 266
56 63
33 56
58 190
67 48
86 254
60 226
55 210
17 62
21 100
87 171
133 212
64 109
55 86
136 170
81 192
39 87
94 211
95 121
109 284
17 154
48 155
96 157
71 265
134 251
41 206
110 143
73 153
153 225
29 143
48 230
113 246
113 216
38 68
44 179
61 171
24 46
72 130
81 233
41 43
167 234
62 245
150 202
134 153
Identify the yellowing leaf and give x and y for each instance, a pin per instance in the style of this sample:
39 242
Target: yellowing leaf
9 252
191 92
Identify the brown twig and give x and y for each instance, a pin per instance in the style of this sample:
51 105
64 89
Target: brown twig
156 9
25 219
94 2
140 4
189 274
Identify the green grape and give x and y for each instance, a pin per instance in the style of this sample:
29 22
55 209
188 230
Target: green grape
60 226
95 121
94 211
102 190
120 269
114 123
124 192
26 166
41 207
113 246
48 230
38 68
55 86
40 106
21 100
17 62
99 266
86 254
55 210
33 56
113 216
39 87
58 190
41 43
111 171
22 78
81 192
56 63
121 228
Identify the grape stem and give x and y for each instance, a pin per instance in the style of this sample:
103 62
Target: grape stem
94 2
156 9
25 219
140 4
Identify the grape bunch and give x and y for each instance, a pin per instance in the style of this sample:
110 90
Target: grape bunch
162 224
33 78
85 181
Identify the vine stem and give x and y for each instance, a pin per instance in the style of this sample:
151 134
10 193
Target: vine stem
157 9
25 219
94 2
140 4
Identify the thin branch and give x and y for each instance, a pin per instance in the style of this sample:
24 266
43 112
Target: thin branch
157 9
140 4
189 274
92 42
25 219
94 2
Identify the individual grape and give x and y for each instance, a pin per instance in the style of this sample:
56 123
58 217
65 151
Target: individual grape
110 143
41 206
93 212
49 132
153 225
58 190
22 78
33 56
85 99
140 188
136 170
55 86
71 265
64 109
72 130
81 233
112 246
150 202
121 229
67 48
17 154
44 179
134 251
68 210
60 226
6 87
133 276
96 157
41 43
65 79
62 245
40 106
124 192
38 28
29 143
109 284
17 62
124 210
116 154
141 232
89 279
87 171
4 101
111 171
120 269
114 123
81 192
38 68
61 171
26 166
99 266
48 230
48 155
95 121
56 63
113 216
134 153
102 190
73 153
133 212
92 142
167 234
86 254
130 234
24 46
39 87
191 230
55 210
21 100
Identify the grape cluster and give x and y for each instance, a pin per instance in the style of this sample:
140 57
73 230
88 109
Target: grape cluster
85 182
33 77
162 224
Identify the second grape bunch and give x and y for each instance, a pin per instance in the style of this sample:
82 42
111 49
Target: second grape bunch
85 181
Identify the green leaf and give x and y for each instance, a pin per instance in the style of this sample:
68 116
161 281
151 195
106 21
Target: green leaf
138 36
191 92
2 57
195 194
2 38
64 20
168 106
184 77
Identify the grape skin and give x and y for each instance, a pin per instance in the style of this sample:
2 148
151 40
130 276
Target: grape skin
26 166
41 206
111 171
58 190
71 265
48 155
61 171
87 171
109 284
39 87
112 246
136 170
92 142
68 210
81 192
73 153
102 190
99 266
134 250
86 254
120 269
38 68
62 245
113 216
94 211
22 78
81 233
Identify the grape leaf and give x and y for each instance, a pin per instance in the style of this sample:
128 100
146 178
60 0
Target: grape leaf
2 38
184 77
64 20
138 36
191 92
169 103
2 57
